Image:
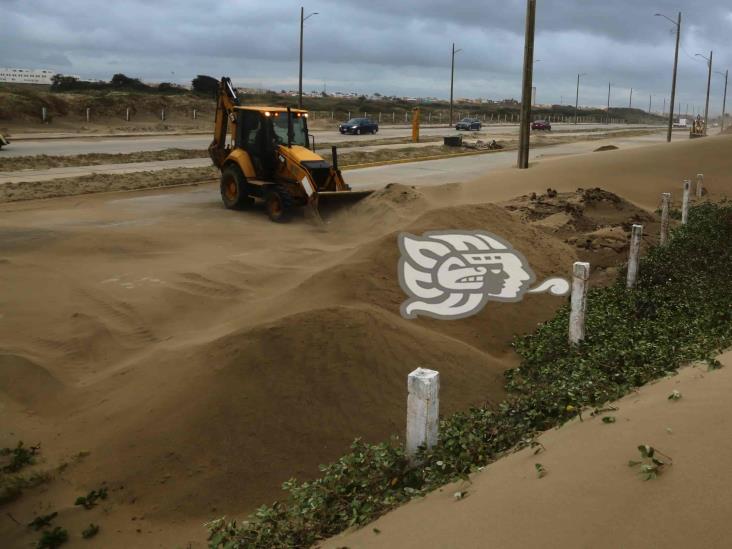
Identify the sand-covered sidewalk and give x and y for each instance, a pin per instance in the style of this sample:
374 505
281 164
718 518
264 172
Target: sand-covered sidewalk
590 497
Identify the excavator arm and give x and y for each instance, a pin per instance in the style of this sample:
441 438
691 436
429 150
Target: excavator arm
228 98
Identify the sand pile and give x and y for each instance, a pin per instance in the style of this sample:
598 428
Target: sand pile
203 356
595 222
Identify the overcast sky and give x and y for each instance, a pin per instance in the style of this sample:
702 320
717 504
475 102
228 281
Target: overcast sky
399 47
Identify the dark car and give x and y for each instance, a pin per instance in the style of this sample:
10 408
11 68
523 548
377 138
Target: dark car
469 124
541 125
359 126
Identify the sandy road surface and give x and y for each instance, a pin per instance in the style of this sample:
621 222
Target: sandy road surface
199 357
112 145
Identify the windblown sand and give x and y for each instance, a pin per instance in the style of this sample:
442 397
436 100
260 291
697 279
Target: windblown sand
203 356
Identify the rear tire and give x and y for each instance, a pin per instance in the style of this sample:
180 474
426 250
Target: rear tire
358 131
234 192
278 203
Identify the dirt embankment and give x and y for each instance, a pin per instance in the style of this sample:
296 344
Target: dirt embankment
203 356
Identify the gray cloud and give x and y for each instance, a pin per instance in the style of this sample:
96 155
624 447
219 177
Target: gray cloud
400 47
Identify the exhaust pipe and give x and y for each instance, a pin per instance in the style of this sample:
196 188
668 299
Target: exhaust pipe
334 154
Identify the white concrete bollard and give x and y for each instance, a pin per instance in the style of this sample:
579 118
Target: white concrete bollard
665 206
88 114
423 409
44 114
332 114
685 202
405 116
699 185
379 118
162 114
635 241
195 114
580 275
349 115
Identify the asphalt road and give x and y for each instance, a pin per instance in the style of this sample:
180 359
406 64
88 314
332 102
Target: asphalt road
428 172
126 145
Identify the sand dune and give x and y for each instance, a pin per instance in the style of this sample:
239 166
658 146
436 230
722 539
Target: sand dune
203 356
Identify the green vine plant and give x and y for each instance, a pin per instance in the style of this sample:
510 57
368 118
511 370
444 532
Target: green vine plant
650 464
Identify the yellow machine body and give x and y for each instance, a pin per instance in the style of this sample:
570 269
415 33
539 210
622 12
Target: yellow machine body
266 153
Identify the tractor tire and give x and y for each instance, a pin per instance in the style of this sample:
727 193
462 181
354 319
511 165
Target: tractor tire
234 192
279 203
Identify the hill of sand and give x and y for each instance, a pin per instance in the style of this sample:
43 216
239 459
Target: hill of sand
193 358
589 496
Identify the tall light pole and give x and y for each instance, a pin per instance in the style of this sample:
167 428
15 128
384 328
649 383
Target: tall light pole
525 128
709 86
630 103
724 100
650 103
609 84
452 77
576 101
673 83
302 25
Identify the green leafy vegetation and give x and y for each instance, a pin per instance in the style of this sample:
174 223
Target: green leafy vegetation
90 532
42 521
53 538
20 456
680 311
650 464
90 500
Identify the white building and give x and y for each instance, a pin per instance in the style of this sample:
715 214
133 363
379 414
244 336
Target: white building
27 76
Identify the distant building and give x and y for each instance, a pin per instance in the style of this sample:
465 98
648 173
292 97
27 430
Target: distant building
27 76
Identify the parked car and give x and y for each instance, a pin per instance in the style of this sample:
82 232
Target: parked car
358 126
469 124
541 125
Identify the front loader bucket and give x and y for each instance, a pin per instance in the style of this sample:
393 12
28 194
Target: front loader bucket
330 201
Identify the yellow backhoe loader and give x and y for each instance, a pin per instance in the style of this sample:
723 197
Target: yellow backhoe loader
271 156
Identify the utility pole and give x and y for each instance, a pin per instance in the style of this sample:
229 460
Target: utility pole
525 128
650 103
630 103
608 101
576 101
452 78
302 25
664 106
724 100
709 86
673 82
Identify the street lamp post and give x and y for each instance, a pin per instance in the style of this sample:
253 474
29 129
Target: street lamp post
302 25
724 100
673 83
452 77
709 86
576 102
609 84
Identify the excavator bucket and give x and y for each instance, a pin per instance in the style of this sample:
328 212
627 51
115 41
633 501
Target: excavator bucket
331 201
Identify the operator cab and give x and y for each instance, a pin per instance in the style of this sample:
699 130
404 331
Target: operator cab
261 131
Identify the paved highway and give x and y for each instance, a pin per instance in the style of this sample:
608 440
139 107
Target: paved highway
126 145
427 172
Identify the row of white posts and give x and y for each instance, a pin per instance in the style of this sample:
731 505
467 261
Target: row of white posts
499 119
45 118
423 386
581 271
